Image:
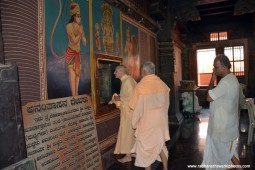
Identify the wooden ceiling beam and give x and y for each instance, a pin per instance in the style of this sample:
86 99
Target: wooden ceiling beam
206 2
215 8
216 13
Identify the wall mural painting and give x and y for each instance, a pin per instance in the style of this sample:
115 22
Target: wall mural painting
67 48
131 49
106 27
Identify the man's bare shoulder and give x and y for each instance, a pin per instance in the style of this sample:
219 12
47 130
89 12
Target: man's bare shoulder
69 26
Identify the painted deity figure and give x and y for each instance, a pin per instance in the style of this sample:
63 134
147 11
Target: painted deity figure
75 34
97 35
107 28
130 49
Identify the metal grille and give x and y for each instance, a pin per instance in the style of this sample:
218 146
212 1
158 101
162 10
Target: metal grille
236 57
218 36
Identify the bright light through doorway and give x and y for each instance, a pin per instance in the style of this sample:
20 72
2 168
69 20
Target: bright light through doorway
205 59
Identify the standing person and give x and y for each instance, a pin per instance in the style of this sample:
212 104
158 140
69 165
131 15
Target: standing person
222 133
75 34
125 140
150 103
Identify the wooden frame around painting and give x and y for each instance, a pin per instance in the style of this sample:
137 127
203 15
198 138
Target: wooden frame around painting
60 76
105 82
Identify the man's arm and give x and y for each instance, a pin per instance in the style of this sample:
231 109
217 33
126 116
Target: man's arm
74 39
208 97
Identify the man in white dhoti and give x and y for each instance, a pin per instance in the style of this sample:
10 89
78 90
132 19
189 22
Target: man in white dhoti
223 131
125 140
150 103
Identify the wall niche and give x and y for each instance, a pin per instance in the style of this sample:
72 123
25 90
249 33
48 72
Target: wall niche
105 82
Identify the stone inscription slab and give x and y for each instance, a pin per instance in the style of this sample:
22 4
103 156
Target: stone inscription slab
61 134
26 164
12 143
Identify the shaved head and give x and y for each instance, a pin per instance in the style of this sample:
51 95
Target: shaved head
122 68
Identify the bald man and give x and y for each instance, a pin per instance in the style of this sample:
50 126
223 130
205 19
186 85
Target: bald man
125 140
150 103
223 131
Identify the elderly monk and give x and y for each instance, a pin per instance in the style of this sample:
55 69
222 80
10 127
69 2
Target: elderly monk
126 137
150 103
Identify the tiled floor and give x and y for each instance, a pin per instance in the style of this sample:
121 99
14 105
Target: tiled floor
187 146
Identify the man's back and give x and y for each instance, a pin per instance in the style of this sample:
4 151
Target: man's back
150 103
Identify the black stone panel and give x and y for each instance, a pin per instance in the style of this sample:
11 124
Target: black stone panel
12 141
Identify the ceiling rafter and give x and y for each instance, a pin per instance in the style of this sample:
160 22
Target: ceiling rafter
207 2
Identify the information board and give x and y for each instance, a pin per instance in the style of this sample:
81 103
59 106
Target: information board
61 134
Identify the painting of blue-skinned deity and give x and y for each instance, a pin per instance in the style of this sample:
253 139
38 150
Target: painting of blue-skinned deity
131 49
67 48
106 28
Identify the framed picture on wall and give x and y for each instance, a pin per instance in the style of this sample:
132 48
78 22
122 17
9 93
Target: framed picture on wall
106 28
67 48
131 49
105 81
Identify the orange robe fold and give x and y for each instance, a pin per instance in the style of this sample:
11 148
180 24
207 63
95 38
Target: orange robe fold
126 138
150 103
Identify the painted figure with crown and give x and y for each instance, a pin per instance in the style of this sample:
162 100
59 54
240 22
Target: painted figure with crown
75 33
107 27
